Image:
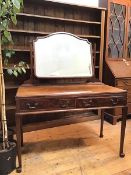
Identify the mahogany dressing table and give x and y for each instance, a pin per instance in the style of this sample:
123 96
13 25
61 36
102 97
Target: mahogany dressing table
64 56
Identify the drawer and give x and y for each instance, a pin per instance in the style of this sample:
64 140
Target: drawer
129 98
46 104
129 108
99 102
124 84
118 111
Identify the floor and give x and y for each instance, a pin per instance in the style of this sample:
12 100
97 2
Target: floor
76 150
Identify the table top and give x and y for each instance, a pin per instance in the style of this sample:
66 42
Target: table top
70 89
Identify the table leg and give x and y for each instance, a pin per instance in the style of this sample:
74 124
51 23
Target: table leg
21 126
123 126
18 138
102 122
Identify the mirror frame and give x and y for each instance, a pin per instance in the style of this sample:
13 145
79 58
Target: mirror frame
65 33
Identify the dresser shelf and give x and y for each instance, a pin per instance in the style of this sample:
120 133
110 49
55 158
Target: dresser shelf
40 18
47 33
58 19
11 66
13 86
10 107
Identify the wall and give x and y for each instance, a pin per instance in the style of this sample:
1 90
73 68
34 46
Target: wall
92 3
103 3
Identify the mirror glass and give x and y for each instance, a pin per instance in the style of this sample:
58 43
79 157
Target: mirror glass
62 55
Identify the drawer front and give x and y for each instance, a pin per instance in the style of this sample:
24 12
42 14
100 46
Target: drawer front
124 84
118 111
129 108
99 102
129 98
36 104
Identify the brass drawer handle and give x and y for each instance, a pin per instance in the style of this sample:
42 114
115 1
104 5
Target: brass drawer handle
32 106
64 104
87 103
114 101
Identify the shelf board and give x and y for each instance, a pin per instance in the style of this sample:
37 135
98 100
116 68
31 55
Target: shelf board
58 19
19 48
70 119
28 31
89 36
11 66
10 107
27 49
47 33
11 86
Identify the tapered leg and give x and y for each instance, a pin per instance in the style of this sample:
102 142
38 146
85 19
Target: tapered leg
123 126
21 126
18 138
102 122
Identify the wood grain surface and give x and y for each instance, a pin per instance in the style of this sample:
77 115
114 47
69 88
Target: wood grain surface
76 150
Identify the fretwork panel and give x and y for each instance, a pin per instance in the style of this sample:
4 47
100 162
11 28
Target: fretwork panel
116 31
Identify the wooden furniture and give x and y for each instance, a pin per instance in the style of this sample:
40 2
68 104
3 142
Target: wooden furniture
118 50
40 18
40 98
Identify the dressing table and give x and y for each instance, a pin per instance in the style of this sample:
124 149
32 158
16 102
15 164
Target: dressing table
62 80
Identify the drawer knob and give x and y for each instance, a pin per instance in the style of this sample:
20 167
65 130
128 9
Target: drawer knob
32 106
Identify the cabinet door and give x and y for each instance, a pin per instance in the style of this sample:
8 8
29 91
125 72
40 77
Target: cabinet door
116 29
